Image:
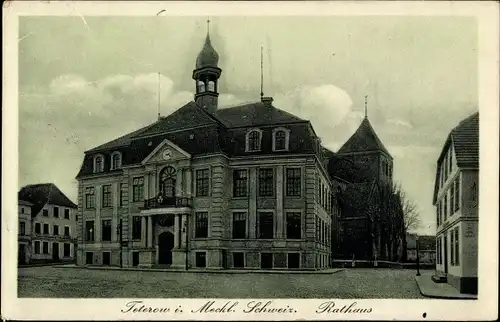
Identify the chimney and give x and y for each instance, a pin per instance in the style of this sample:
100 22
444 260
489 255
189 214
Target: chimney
266 100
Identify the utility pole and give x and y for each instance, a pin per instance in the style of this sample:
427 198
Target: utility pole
418 257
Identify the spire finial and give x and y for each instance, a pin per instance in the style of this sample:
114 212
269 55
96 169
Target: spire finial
366 106
208 26
159 79
261 71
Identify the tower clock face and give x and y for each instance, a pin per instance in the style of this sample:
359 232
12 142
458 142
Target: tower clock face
167 154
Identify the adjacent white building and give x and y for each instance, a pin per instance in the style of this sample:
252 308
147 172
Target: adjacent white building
456 197
47 224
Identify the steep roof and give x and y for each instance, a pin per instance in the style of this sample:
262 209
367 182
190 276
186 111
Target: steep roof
44 193
255 114
465 140
363 140
188 116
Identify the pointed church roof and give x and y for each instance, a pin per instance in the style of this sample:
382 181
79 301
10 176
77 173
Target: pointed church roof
363 140
208 56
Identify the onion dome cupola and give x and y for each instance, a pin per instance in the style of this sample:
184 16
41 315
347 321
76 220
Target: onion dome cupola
206 75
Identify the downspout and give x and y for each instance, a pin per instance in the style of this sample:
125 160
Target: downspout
187 241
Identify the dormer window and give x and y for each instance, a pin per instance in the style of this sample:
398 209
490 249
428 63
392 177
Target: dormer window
116 160
253 140
280 139
98 163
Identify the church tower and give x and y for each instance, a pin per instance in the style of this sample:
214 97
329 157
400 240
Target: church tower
206 75
366 150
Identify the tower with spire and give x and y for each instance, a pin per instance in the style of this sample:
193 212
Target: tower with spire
366 150
206 75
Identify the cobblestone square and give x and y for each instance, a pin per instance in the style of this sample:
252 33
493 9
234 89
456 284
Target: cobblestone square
52 282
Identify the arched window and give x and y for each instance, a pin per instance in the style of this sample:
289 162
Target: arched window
211 86
99 163
280 139
167 182
116 161
201 86
253 140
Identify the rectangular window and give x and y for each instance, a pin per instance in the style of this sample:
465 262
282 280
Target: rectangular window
89 230
452 198
445 206
293 182
438 250
266 225
66 213
293 225
457 194
22 210
55 231
266 182
136 227
138 189
457 247
56 212
240 183
67 250
201 225
238 260
106 196
121 194
89 197
45 229
37 228
438 214
293 260
239 225
201 259
202 184
135 259
45 212
37 247
452 243
66 231
22 228
45 246
106 230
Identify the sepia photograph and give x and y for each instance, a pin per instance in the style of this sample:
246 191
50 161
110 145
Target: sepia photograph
245 159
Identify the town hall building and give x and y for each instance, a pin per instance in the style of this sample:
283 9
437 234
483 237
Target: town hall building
247 186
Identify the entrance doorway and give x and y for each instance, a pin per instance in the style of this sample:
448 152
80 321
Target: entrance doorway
165 245
55 252
89 258
22 254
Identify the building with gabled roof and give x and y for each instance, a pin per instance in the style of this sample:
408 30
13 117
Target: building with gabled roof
456 198
248 186
48 233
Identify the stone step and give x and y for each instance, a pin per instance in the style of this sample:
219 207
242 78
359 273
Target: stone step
437 278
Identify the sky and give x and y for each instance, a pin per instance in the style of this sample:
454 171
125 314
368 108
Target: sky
84 81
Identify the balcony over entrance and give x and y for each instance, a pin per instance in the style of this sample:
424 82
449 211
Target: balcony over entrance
165 205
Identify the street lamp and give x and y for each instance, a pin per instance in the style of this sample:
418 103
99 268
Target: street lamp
119 232
418 256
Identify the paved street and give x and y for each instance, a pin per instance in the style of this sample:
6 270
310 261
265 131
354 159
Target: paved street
350 283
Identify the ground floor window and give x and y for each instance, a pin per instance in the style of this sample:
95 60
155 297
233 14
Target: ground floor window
89 258
67 248
266 260
293 260
106 258
201 259
239 260
37 247
45 247
135 259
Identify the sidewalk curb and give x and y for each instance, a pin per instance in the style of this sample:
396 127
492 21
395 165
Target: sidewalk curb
448 297
221 271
